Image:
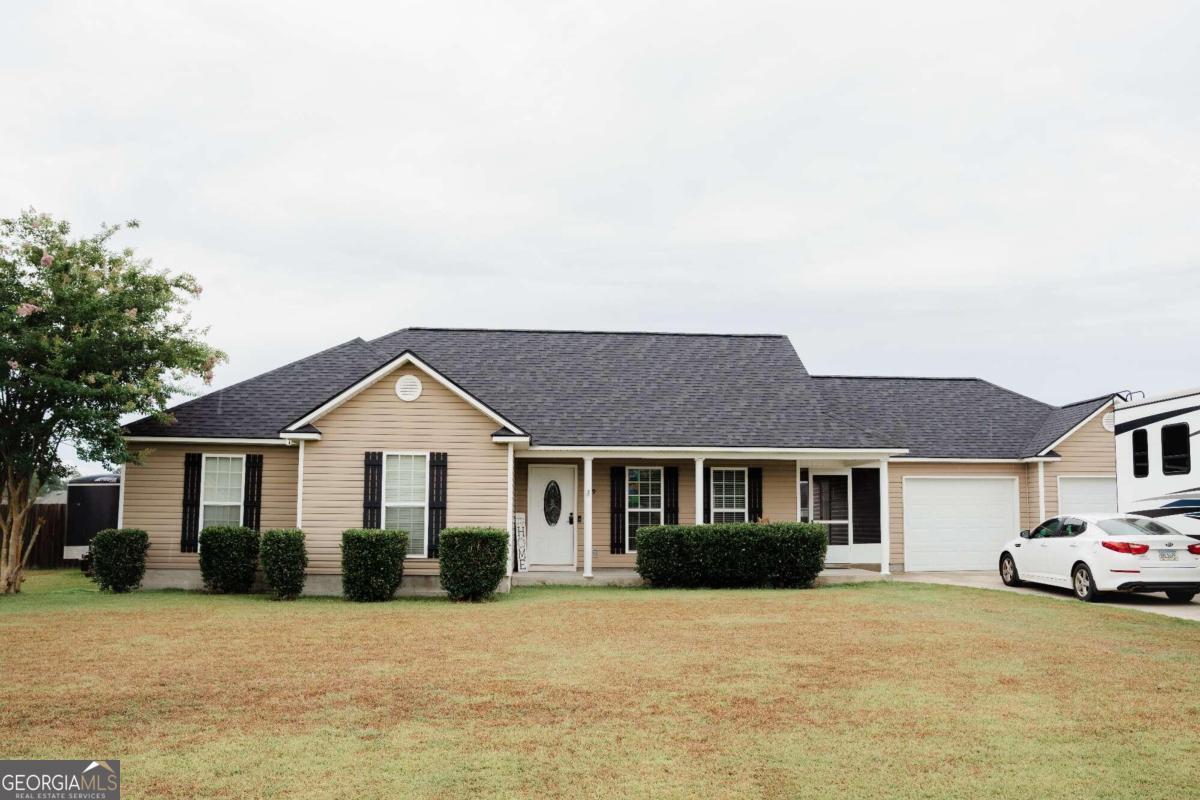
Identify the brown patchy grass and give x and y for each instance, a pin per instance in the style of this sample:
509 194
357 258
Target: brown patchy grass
899 690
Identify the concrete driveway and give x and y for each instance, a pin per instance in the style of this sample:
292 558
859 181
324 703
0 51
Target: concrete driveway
1152 603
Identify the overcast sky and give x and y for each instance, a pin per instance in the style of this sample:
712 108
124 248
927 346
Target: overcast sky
1006 190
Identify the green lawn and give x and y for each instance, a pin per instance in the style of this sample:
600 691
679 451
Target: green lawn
883 689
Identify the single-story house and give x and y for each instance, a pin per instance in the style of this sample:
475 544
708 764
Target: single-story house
572 441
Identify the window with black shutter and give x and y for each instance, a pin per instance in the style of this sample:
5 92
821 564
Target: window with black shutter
372 489
617 510
189 536
438 470
252 492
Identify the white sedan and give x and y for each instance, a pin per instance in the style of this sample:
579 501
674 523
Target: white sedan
1097 553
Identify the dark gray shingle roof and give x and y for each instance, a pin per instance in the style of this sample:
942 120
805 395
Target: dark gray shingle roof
261 406
952 417
1061 420
563 388
636 389
651 389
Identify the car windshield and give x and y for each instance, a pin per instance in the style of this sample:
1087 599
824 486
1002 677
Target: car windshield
1136 526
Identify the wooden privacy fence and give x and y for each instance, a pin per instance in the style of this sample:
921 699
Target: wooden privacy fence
47 552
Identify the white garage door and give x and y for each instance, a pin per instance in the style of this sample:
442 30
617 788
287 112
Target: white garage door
957 523
1081 495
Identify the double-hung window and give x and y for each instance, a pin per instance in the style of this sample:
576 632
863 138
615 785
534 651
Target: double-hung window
643 501
728 487
405 504
221 489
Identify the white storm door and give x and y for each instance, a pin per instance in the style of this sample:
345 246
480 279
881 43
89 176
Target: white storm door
550 515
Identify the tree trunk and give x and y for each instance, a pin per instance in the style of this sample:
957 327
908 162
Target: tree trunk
12 533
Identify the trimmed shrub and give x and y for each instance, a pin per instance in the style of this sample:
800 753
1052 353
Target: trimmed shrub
119 558
284 560
372 564
778 554
228 558
472 561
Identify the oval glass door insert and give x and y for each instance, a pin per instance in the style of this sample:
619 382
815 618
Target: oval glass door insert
552 503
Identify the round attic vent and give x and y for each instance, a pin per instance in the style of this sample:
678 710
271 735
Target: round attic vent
408 388
1109 421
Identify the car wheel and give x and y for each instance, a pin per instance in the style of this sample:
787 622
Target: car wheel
1180 596
1008 571
1083 584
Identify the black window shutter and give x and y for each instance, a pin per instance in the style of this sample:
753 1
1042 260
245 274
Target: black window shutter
437 500
372 489
864 488
670 495
252 492
189 536
617 505
707 495
804 501
754 494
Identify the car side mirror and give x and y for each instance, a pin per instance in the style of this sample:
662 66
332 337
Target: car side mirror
1024 534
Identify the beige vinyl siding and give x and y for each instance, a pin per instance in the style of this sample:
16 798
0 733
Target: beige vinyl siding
375 419
1091 450
154 496
779 498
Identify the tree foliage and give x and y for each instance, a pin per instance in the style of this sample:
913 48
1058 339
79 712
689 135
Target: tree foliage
88 333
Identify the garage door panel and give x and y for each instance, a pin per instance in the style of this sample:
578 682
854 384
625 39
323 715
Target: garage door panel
1080 494
957 523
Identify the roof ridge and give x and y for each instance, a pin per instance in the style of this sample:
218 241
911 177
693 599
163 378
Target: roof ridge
549 331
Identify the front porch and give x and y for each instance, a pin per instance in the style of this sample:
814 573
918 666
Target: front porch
576 515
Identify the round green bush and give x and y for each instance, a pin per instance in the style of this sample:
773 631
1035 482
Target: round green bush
284 560
372 564
228 558
472 561
778 554
119 558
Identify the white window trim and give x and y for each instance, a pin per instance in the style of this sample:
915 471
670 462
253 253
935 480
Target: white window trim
712 495
241 503
384 505
662 495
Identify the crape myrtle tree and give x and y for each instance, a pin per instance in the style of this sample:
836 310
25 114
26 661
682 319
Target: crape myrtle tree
88 334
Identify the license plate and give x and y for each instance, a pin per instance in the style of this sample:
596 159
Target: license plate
1168 555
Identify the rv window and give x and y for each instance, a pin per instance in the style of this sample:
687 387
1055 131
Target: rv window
1141 453
1176 449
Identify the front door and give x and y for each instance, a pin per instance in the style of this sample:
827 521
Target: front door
551 516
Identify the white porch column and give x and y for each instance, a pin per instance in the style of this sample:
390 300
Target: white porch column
509 524
587 516
1041 493
699 491
885 522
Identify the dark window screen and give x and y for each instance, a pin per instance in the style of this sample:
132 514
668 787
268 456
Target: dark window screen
1176 449
1141 453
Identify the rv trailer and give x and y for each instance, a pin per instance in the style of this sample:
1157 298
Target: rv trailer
1155 473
